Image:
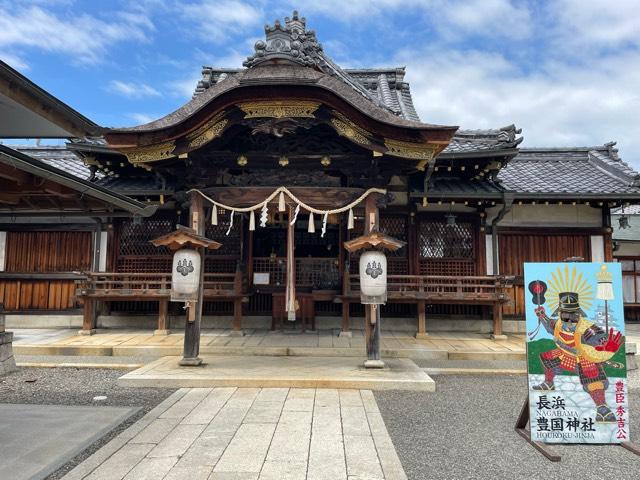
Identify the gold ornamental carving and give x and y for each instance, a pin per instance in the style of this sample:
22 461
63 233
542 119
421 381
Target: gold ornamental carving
347 128
151 153
417 151
205 133
279 109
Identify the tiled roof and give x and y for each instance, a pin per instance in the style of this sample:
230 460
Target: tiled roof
61 158
474 141
577 170
68 161
386 85
461 187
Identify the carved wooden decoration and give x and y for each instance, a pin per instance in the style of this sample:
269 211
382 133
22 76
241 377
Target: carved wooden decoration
279 109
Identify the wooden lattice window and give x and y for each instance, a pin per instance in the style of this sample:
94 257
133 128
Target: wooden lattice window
231 243
439 240
135 252
135 236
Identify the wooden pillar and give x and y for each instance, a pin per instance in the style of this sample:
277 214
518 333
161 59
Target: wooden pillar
497 322
192 328
88 317
163 317
372 312
422 320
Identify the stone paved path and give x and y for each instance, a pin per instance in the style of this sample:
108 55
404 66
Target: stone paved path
252 433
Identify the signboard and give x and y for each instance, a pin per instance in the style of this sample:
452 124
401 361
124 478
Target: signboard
261 278
575 353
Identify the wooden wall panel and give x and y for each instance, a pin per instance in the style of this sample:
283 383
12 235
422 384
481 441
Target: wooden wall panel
44 252
514 249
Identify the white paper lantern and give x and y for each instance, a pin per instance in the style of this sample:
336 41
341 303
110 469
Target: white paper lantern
373 277
185 276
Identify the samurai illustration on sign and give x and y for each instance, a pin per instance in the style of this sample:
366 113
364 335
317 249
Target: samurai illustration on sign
576 360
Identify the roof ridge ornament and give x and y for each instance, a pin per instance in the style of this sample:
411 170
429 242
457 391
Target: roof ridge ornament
291 42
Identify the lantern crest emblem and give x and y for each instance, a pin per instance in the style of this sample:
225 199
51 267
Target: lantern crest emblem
185 268
374 270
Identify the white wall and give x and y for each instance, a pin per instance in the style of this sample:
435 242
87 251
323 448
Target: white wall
102 262
597 248
3 249
627 249
489 254
548 215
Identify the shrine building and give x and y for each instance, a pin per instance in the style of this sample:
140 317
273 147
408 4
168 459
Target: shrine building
281 161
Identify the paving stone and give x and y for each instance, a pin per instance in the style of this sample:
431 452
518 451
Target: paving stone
121 462
300 399
264 412
191 472
233 476
247 450
292 469
354 421
177 442
208 408
326 458
362 458
151 469
350 398
186 404
206 450
272 395
156 431
369 401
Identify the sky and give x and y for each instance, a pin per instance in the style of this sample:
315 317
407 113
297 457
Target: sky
565 71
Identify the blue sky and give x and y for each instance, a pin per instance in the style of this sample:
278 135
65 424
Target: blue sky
566 71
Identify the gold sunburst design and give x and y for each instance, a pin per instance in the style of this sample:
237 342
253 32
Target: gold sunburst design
568 279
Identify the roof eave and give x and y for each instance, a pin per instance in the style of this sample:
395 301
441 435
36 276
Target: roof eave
22 90
28 164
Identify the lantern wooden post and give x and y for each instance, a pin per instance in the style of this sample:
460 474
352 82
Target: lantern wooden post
192 328
177 241
372 312
372 239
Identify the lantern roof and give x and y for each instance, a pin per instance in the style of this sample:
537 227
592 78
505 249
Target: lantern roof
374 239
183 237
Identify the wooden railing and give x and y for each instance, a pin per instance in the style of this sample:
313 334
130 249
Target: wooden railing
438 289
151 285
312 272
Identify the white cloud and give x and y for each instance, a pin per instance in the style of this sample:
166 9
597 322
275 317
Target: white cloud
557 105
216 20
132 90
450 17
83 37
184 87
596 23
14 61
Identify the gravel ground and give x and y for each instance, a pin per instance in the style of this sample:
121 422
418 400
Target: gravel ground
510 364
84 359
465 430
74 386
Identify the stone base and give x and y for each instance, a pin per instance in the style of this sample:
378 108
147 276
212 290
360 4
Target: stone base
87 332
281 372
190 362
373 364
422 336
497 337
631 350
7 360
162 332
236 333
345 335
